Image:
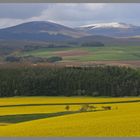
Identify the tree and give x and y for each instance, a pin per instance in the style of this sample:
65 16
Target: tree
67 107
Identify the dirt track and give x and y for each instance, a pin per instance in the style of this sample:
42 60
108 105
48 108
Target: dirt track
135 63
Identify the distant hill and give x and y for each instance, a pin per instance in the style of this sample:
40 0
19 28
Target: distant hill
111 40
114 29
40 31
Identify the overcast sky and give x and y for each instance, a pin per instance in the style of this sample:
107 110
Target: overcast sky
69 14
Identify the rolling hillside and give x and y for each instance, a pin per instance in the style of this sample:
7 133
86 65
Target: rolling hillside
40 31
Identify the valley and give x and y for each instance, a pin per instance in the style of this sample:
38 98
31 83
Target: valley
45 42
69 70
123 55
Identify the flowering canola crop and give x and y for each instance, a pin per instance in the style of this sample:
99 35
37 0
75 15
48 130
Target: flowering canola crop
122 120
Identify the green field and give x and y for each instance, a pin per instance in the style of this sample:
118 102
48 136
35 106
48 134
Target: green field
90 53
47 116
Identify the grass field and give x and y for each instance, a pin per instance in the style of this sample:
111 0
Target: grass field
47 116
90 53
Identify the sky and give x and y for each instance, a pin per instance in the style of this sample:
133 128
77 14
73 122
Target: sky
69 14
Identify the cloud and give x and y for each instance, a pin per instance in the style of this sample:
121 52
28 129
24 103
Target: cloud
6 22
23 11
71 14
79 14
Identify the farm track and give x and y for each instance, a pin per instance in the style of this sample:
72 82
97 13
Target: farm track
123 63
52 104
18 118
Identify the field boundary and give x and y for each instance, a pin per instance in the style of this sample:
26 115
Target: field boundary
52 104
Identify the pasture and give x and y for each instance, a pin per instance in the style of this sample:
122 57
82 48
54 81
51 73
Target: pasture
106 53
62 116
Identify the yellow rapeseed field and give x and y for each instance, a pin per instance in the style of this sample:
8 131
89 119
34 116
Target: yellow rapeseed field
44 99
122 120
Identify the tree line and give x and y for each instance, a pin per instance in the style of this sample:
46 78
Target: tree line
110 81
32 59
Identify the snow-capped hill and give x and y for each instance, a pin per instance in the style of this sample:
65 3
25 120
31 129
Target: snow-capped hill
108 25
115 29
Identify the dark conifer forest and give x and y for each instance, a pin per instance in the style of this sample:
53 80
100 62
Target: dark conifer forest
110 81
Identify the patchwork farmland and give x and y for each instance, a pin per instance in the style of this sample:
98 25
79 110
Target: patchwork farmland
107 55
